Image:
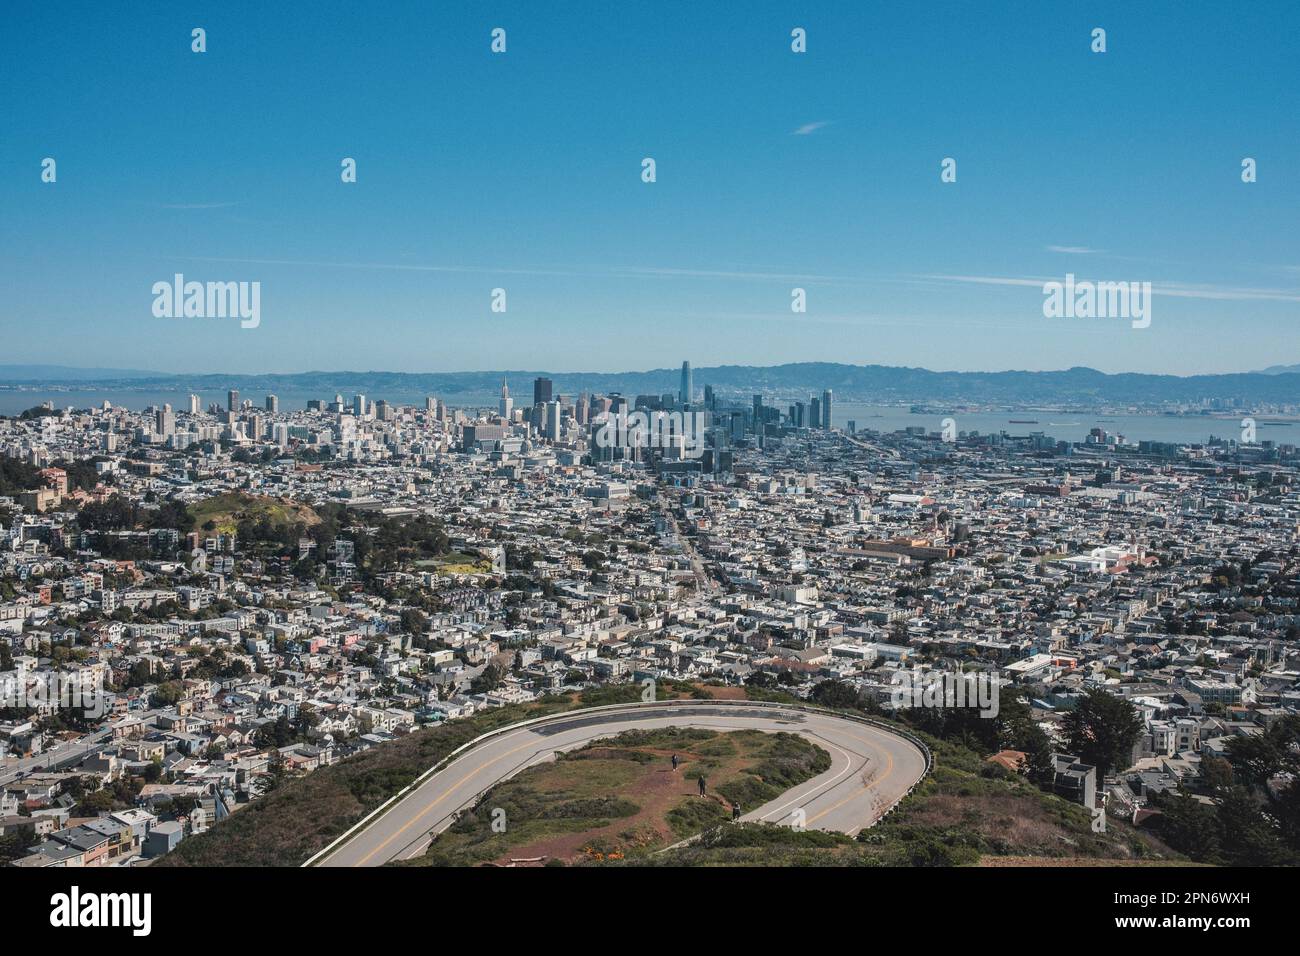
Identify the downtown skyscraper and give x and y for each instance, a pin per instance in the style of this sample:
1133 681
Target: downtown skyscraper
542 389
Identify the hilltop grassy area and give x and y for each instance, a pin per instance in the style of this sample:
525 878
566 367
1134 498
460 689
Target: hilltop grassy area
304 814
621 798
966 812
457 562
223 513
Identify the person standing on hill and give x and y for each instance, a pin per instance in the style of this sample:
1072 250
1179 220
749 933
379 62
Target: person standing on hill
703 783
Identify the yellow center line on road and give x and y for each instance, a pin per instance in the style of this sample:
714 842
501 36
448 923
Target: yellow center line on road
446 793
848 768
871 786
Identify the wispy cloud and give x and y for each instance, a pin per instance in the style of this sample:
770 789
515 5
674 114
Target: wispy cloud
1183 290
848 319
1075 250
197 205
808 128
616 272
633 271
1180 290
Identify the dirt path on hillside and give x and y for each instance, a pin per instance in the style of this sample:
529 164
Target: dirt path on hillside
657 790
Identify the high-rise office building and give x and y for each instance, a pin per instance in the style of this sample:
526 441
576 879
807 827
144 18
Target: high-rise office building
359 405
505 407
165 421
814 412
687 392
542 390
737 428
553 421
232 400
272 404
826 409
194 404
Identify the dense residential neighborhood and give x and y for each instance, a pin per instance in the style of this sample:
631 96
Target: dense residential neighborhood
198 606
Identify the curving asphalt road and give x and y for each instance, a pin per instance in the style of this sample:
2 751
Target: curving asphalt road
871 769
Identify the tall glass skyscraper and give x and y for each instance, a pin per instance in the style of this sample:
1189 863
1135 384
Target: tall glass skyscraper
541 391
688 387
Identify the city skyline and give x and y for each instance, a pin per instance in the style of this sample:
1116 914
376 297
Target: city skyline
847 438
64 374
407 566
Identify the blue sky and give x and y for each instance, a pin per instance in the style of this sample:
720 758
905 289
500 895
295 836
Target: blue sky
522 171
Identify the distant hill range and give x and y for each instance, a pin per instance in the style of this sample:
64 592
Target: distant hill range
864 383
51 374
